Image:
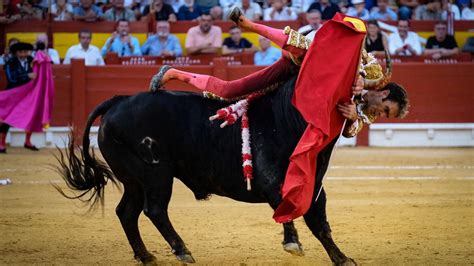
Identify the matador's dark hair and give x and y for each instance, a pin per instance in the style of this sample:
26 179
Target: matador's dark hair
399 95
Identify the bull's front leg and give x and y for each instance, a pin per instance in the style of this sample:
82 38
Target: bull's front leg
317 222
291 243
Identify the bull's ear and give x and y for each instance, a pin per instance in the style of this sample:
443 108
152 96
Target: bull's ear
388 70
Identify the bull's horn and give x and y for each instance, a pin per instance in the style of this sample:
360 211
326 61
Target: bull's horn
388 71
388 64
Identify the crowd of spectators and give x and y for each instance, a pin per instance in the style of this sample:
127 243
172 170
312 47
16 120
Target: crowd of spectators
173 10
404 42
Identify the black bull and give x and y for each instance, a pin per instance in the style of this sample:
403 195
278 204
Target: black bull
148 139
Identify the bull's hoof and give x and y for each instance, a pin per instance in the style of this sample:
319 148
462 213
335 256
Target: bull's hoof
347 262
153 262
294 249
155 83
147 259
186 258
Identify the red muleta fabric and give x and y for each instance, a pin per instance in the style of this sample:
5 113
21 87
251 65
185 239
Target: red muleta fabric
326 77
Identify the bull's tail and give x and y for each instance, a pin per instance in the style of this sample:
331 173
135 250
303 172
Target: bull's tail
82 171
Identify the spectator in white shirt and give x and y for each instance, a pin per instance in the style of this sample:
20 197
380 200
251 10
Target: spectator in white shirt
227 5
446 7
404 42
468 11
53 54
358 10
279 11
84 50
301 6
62 11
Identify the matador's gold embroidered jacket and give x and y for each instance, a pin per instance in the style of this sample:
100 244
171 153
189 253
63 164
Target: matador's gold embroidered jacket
352 128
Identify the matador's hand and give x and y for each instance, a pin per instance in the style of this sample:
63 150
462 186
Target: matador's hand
348 110
32 75
357 89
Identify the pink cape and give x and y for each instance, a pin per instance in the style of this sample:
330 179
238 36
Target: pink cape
29 106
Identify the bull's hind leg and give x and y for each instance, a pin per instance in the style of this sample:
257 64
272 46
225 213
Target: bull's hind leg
128 211
158 190
125 166
317 222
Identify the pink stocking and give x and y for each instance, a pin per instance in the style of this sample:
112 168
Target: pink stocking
259 80
3 138
275 35
28 139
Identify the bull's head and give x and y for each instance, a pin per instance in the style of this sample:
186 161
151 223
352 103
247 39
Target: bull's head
372 71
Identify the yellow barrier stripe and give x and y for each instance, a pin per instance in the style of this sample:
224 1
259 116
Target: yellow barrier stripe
64 40
29 37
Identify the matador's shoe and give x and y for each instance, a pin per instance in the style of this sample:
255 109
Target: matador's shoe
30 147
155 83
235 14
238 17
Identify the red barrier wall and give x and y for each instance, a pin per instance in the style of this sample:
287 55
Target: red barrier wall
62 115
438 93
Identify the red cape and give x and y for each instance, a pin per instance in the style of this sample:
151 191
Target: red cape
30 105
325 79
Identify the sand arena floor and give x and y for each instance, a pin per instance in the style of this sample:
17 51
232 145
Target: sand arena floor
385 206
